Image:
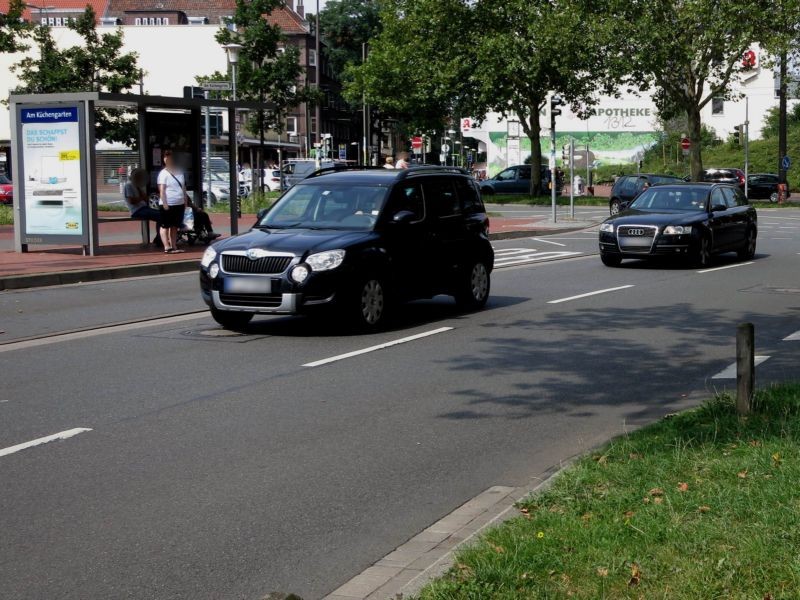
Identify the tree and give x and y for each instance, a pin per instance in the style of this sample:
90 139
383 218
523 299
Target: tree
97 65
268 70
13 29
687 51
345 26
415 70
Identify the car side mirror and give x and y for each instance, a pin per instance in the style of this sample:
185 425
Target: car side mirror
718 208
404 217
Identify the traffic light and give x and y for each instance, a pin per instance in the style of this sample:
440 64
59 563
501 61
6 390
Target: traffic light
555 102
737 134
565 153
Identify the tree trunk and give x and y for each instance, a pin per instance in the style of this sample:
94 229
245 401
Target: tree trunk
534 134
695 153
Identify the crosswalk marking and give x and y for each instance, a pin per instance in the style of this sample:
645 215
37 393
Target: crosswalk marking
506 257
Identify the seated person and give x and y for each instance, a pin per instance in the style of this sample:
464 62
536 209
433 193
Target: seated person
135 194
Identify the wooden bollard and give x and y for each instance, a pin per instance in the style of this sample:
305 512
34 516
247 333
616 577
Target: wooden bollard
745 367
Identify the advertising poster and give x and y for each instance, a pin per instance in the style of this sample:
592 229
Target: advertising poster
51 163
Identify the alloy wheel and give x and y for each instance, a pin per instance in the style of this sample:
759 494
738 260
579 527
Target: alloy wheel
479 282
373 302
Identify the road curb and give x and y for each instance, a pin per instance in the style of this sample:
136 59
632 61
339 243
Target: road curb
17 282
404 572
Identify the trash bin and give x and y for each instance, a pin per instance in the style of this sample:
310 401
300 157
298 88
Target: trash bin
782 187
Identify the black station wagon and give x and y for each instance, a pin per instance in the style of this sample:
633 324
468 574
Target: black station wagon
690 220
357 240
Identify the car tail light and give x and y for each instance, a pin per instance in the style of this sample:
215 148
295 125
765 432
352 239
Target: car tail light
275 180
741 178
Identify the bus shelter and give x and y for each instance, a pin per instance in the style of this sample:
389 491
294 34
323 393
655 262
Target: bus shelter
54 162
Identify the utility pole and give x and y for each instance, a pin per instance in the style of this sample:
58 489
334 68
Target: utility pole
746 146
782 118
365 116
571 178
317 69
208 150
555 102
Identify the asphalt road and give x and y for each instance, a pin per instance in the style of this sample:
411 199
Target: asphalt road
219 466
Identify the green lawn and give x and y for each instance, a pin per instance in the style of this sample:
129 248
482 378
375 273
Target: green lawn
700 505
543 200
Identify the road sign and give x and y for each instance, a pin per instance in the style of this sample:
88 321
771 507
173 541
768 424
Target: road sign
445 148
416 144
786 163
466 125
342 152
217 86
686 143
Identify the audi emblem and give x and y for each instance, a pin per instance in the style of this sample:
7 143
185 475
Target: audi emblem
635 231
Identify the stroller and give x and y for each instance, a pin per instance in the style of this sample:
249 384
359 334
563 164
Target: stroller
201 231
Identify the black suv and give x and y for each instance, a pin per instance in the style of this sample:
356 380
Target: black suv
627 187
726 175
357 240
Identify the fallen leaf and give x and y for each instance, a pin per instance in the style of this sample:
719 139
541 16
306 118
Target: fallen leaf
742 474
767 596
656 492
602 572
777 458
629 514
634 456
636 575
601 460
524 511
755 443
496 548
523 576
646 500
704 509
658 500
683 487
586 517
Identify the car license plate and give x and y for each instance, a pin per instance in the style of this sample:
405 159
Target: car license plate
638 241
248 285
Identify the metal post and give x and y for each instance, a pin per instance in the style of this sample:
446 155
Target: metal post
317 69
571 178
552 164
364 116
782 118
234 190
588 167
208 150
745 367
746 147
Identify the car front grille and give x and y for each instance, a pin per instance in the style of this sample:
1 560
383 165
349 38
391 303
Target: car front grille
636 238
252 300
234 263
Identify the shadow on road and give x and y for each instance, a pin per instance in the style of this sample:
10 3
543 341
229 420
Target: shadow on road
675 264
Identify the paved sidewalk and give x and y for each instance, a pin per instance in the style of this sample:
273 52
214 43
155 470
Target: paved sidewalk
122 254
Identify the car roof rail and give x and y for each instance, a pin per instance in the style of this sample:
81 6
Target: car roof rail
431 170
339 168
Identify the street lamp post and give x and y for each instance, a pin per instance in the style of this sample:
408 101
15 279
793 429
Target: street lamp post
232 52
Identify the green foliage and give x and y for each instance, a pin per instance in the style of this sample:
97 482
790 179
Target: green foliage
98 64
693 506
268 70
13 30
345 26
6 215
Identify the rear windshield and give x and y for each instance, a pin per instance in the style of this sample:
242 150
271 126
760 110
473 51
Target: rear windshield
672 198
661 179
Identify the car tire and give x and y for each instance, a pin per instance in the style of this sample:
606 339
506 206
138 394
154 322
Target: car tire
748 251
703 257
773 197
474 287
235 321
614 207
369 305
610 260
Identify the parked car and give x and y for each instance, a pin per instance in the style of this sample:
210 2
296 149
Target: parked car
356 241
272 179
6 190
627 187
219 191
763 186
517 180
690 220
297 169
729 176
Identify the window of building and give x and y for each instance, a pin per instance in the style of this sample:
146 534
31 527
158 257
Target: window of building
312 58
313 124
137 21
291 125
717 106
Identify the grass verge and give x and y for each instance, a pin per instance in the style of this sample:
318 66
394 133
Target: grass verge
251 204
699 505
6 215
543 200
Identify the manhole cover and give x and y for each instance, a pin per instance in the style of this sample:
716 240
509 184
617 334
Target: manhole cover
216 333
212 334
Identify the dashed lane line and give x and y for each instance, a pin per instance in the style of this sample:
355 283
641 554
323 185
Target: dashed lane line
725 267
63 435
729 372
586 295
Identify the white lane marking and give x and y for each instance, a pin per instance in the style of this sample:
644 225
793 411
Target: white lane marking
411 338
725 267
579 296
78 335
729 372
43 440
780 238
532 256
795 337
547 242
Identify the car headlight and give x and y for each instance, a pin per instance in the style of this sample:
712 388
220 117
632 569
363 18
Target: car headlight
208 256
300 273
677 229
607 227
213 271
325 261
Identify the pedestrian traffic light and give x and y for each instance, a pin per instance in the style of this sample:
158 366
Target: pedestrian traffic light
737 134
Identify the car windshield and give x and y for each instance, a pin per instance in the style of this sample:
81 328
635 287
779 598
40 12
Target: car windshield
671 198
316 206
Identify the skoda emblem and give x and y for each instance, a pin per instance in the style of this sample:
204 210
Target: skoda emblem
256 253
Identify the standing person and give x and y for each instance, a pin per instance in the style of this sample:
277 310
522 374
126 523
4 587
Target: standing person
172 202
402 163
389 164
135 194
